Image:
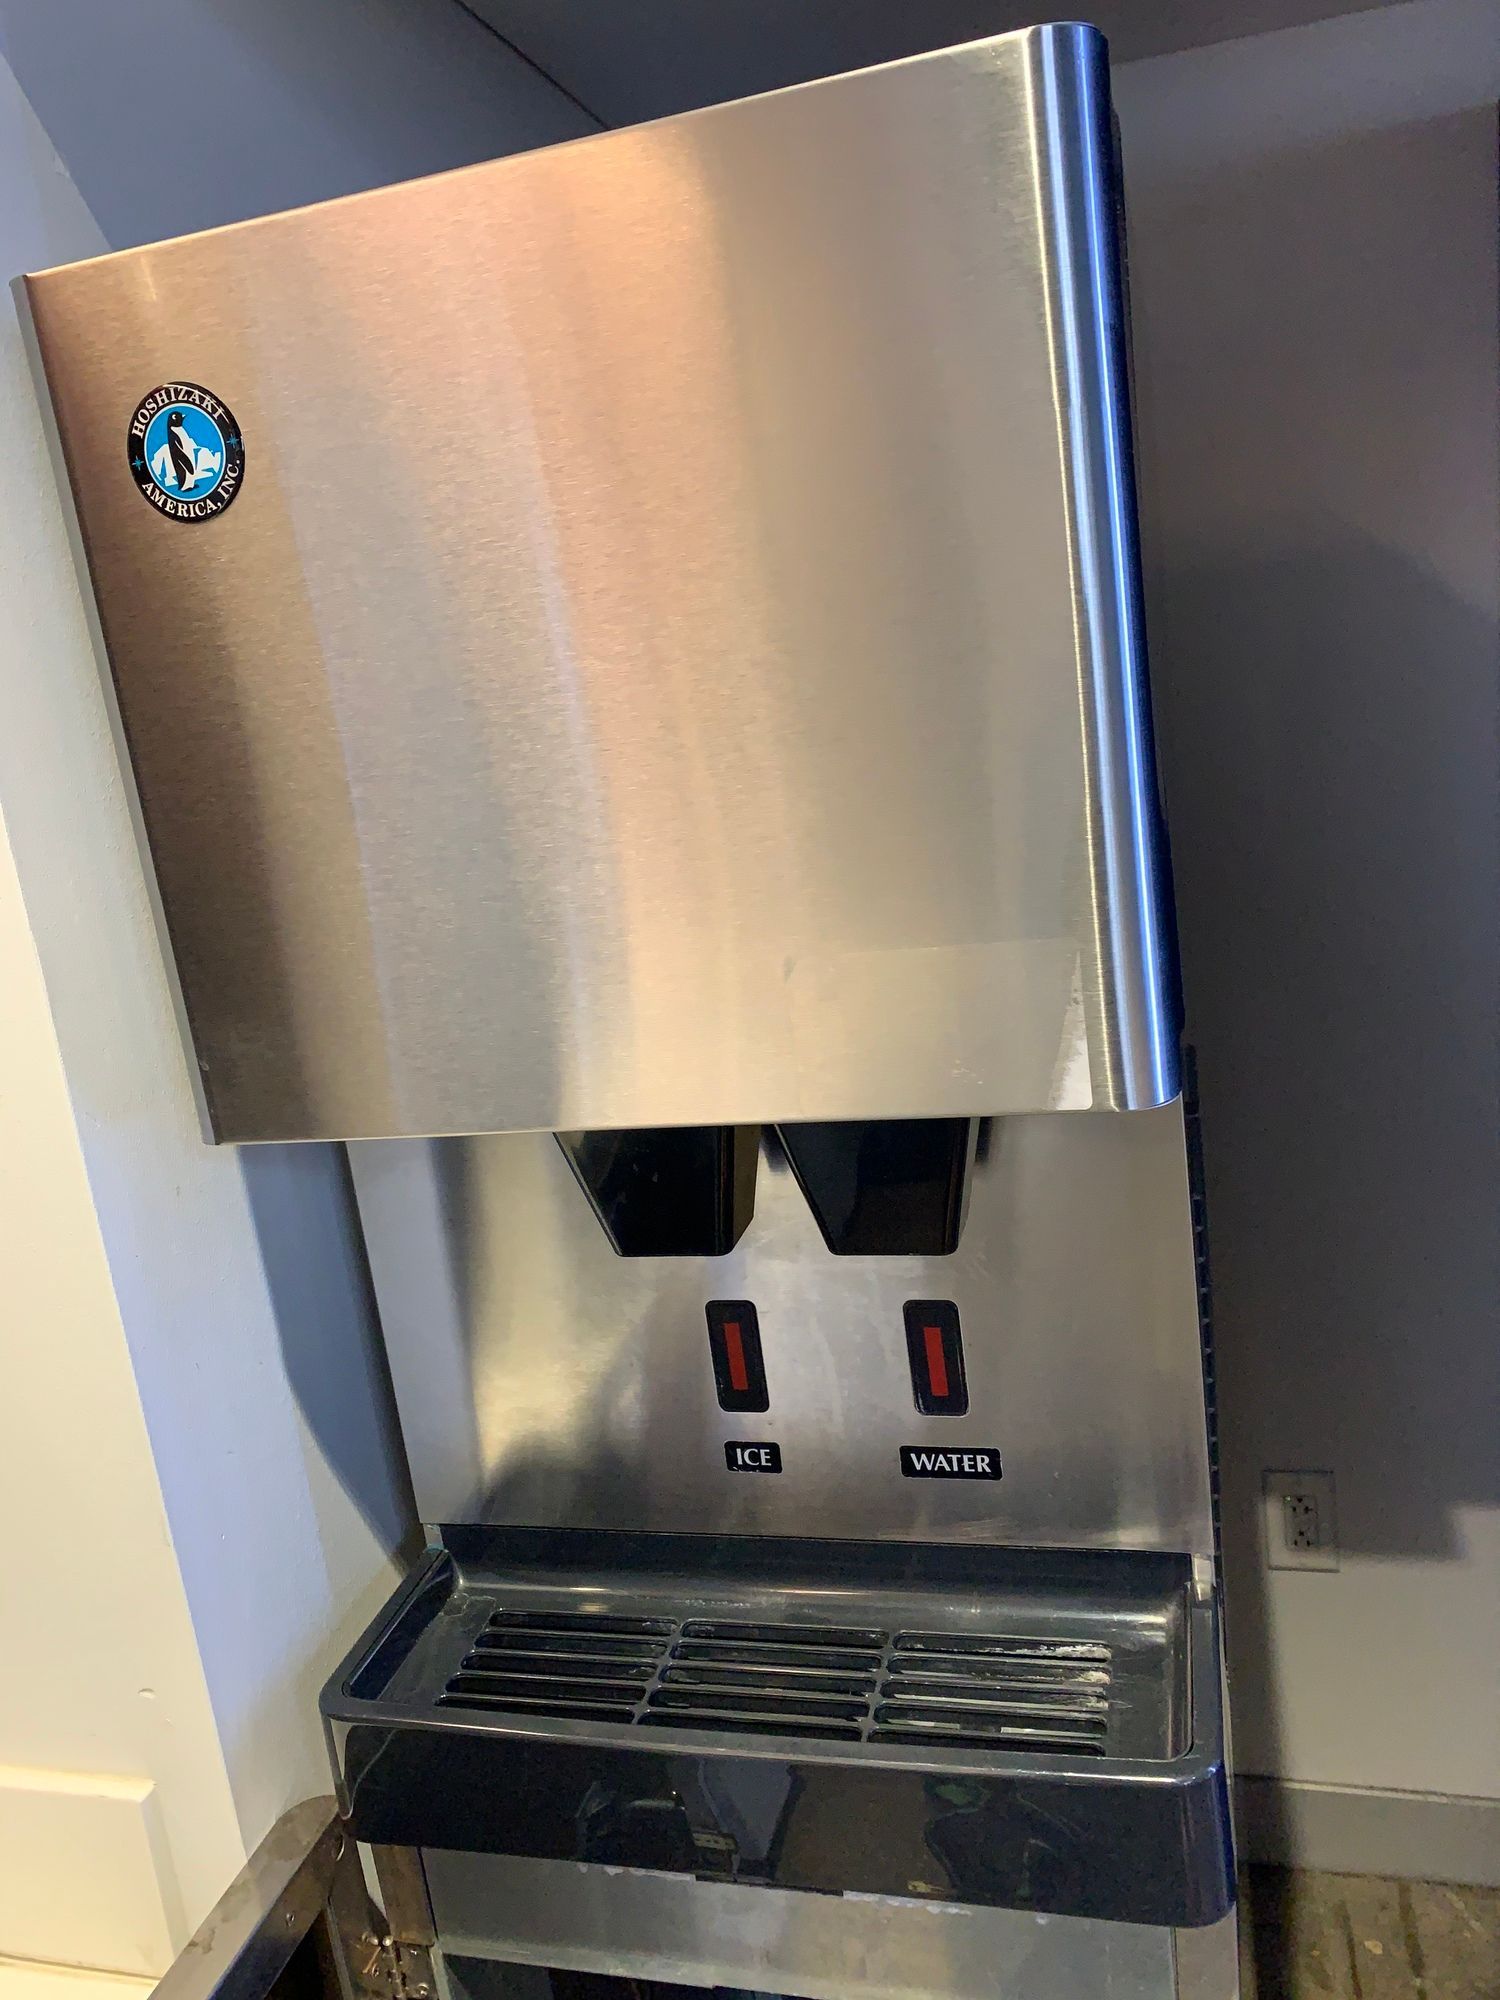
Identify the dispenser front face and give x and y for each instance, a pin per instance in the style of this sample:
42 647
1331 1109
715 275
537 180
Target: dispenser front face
890 1511
657 643
1038 1384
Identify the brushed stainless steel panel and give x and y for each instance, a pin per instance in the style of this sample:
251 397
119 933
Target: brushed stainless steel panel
776 1940
542 1380
1210 1964
672 658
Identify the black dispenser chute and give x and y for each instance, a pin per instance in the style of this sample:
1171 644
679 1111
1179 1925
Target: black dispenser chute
889 1187
668 1191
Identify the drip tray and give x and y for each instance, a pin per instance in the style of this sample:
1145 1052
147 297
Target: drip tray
1011 1728
843 1683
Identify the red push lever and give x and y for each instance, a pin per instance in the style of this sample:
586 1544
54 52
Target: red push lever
937 1362
734 1351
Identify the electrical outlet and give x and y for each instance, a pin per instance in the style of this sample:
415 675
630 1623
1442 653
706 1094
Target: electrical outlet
1301 1520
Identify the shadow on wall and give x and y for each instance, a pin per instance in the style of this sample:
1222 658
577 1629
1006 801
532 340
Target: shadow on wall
1316 328
1335 843
357 93
302 1203
1332 833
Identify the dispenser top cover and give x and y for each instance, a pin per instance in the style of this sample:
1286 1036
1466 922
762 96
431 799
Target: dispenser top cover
657 641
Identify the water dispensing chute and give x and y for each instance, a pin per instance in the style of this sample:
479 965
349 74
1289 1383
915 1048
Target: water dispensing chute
889 1187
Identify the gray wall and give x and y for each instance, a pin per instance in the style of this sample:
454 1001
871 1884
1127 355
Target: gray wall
635 59
1315 290
176 115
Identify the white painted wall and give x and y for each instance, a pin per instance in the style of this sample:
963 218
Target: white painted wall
116 1816
1314 232
197 1434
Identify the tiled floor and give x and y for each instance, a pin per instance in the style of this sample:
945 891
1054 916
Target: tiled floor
1355 1937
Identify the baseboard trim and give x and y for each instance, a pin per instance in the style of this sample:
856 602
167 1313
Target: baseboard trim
1347 1830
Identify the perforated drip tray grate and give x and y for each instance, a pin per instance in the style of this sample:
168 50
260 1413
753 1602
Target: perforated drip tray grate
973 1690
1004 1726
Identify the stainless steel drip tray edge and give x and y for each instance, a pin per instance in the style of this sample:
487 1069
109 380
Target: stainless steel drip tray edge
1003 1728
819 1562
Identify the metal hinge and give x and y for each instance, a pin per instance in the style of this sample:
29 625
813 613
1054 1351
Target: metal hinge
389 1968
387 1952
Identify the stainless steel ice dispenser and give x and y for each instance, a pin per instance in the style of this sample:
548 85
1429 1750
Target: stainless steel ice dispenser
632 663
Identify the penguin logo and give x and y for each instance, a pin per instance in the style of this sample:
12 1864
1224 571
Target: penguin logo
185 451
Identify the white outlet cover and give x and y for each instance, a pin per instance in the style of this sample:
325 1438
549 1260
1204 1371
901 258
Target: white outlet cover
1277 1488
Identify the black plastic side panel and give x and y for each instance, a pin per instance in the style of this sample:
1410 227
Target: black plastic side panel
419 1601
1034 1844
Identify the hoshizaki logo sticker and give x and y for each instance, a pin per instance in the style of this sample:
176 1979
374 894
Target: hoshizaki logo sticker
186 453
